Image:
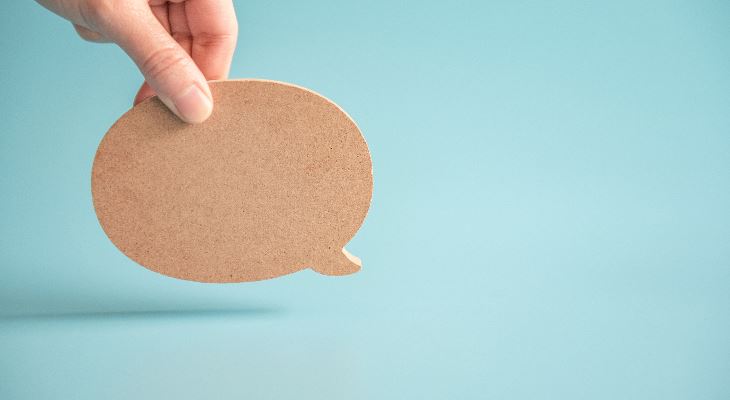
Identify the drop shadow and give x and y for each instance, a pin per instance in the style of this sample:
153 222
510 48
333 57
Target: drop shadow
147 315
101 303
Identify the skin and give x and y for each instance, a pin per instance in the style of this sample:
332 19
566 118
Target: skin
177 44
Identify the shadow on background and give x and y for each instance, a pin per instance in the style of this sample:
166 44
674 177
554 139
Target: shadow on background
140 303
144 315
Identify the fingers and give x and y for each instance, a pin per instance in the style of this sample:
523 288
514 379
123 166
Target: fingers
167 68
211 42
179 28
161 12
214 30
173 19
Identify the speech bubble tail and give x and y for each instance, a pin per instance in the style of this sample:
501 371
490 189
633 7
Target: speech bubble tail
339 264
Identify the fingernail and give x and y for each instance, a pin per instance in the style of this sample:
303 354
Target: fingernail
193 105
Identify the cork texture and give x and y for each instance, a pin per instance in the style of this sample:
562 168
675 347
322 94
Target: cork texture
277 180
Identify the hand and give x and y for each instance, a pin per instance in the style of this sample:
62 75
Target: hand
177 44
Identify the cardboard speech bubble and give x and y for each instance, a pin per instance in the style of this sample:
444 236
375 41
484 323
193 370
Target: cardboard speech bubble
277 180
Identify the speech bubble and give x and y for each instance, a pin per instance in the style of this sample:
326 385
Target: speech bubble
277 180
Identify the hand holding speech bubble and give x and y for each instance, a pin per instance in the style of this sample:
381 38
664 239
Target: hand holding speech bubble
277 180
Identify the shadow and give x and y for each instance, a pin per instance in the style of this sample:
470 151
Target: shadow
157 315
126 302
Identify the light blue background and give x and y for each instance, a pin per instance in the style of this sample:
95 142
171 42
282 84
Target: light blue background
550 217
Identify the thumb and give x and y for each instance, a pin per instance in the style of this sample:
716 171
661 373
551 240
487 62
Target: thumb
166 67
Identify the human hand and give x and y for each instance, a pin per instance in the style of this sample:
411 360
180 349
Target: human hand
177 44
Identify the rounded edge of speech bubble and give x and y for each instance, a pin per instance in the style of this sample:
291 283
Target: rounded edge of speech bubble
332 263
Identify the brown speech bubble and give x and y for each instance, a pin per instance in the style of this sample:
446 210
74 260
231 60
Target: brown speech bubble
277 180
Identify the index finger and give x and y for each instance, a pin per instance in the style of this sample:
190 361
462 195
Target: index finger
214 30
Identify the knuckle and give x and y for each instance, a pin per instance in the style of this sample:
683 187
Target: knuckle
181 37
163 60
206 40
89 35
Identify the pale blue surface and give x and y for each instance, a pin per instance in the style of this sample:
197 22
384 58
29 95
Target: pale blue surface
550 217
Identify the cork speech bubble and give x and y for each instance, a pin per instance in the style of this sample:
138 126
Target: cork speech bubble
277 180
